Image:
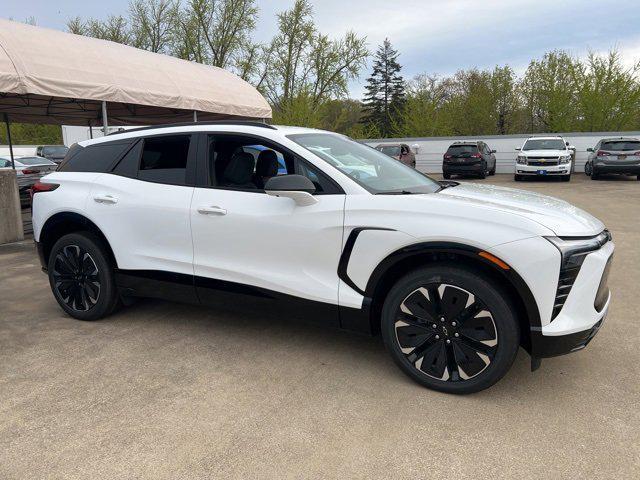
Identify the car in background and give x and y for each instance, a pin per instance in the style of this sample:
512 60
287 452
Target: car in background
469 158
29 169
55 153
544 156
399 151
614 155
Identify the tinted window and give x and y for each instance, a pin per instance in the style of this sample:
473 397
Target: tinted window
94 158
391 150
35 161
621 145
544 144
462 150
5 163
128 165
58 151
164 159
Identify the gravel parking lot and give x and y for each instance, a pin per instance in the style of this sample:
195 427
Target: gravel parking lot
163 390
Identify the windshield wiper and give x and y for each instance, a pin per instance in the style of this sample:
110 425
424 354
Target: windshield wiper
397 192
448 184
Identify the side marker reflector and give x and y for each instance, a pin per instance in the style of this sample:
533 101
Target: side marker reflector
494 259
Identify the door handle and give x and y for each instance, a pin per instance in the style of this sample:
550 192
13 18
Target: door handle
105 199
213 210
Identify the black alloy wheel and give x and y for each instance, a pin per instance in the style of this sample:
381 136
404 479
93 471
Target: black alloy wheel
450 329
81 276
446 332
76 278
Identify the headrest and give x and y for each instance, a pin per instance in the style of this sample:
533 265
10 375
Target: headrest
267 165
240 169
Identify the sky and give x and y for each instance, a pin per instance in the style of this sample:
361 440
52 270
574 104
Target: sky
432 36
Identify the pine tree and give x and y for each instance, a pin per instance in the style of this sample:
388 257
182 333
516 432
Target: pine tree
385 88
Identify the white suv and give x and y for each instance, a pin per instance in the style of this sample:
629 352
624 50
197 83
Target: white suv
455 277
544 156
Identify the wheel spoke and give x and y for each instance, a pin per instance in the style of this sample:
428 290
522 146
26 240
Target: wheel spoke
419 305
483 348
434 360
420 350
452 365
479 328
470 362
454 301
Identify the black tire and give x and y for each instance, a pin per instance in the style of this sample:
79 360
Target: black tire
517 178
566 178
483 174
81 276
450 345
637 177
493 170
446 176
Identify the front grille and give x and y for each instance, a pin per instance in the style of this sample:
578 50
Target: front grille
542 161
565 283
571 267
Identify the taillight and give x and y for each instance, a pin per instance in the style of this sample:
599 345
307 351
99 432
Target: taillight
476 155
29 172
447 156
636 154
602 153
42 187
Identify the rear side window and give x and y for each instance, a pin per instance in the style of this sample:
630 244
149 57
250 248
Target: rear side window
164 159
621 145
94 158
455 150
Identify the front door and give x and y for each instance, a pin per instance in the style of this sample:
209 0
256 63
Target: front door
253 247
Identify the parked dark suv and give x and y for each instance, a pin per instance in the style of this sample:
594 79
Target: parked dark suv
469 158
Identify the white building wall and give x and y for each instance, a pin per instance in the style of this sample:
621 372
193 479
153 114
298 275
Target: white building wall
431 150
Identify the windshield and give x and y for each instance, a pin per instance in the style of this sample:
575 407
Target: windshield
462 150
33 161
544 144
375 171
60 151
391 150
621 145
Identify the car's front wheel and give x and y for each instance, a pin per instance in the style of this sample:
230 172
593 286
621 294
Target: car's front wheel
450 329
566 178
81 276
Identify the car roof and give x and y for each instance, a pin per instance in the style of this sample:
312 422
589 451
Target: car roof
467 142
222 127
555 137
617 139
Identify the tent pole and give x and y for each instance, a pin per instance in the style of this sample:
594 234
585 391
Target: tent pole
195 116
6 121
105 121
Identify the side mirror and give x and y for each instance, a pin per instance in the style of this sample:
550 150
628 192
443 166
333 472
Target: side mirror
566 143
296 187
518 149
493 151
589 149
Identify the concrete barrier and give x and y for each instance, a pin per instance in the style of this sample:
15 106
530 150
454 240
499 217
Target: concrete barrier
10 212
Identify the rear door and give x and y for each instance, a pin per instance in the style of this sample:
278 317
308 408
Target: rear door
142 206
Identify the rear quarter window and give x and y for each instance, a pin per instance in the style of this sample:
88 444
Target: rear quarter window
94 158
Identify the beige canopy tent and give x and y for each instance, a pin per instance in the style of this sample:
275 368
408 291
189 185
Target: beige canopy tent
48 76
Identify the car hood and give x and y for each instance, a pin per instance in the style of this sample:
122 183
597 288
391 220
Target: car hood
557 215
544 153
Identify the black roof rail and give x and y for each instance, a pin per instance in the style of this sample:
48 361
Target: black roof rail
192 124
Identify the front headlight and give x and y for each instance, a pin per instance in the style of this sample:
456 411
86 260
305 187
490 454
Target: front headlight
522 160
573 250
565 158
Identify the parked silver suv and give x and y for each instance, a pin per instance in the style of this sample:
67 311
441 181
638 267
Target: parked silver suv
619 155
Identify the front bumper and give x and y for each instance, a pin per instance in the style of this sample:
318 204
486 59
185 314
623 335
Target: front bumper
562 169
583 312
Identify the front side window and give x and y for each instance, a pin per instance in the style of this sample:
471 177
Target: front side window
375 171
164 159
247 163
544 144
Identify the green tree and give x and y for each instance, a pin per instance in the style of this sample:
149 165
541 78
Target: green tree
385 90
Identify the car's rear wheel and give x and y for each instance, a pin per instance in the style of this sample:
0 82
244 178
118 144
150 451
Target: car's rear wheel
449 329
81 276
446 176
483 174
517 178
